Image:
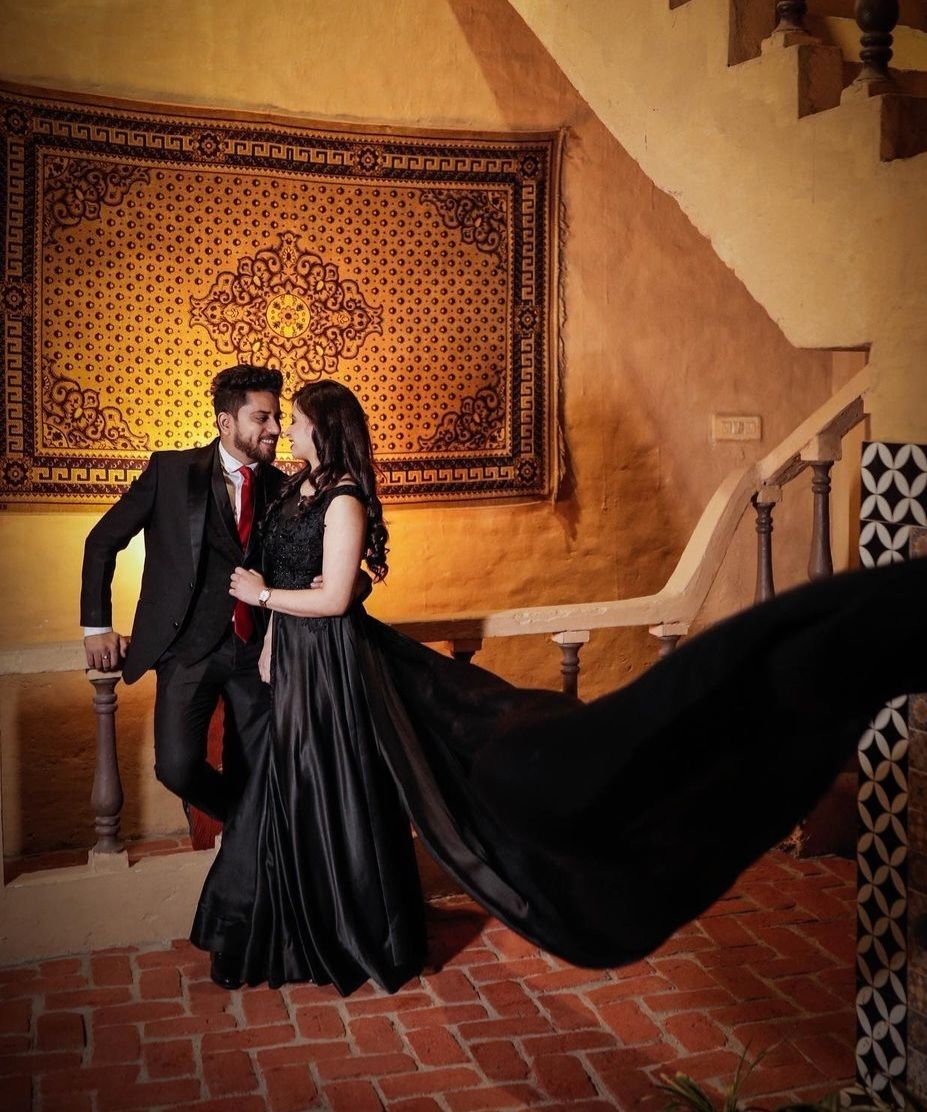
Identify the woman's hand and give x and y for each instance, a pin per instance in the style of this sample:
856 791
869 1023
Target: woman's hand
246 585
265 657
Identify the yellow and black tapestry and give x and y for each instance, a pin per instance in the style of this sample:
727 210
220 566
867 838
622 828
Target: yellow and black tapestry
145 248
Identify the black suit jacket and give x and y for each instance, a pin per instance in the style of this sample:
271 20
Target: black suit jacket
168 501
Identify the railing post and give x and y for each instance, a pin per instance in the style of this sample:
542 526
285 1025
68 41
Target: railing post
106 798
790 27
570 642
763 502
821 561
790 16
463 648
876 19
668 634
822 452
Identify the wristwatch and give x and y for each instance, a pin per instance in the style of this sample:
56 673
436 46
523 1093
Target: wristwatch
263 597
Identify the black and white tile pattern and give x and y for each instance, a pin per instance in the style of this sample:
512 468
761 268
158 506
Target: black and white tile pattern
894 500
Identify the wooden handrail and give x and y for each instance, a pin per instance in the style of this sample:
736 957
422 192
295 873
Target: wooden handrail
684 593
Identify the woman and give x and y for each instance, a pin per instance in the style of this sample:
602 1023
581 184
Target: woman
594 831
334 897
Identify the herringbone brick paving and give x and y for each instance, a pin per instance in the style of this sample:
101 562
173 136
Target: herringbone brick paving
500 1026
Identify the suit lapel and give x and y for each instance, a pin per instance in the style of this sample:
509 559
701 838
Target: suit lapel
198 496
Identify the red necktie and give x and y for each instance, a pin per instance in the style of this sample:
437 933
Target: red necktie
242 618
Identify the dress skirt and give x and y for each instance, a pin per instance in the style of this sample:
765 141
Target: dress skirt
595 831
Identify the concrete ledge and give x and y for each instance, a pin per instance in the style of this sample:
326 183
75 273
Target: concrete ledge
71 911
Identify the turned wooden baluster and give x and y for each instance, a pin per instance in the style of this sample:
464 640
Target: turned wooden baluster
821 563
791 17
463 648
876 19
764 501
821 452
570 643
106 797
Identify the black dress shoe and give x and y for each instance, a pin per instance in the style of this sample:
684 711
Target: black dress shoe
224 971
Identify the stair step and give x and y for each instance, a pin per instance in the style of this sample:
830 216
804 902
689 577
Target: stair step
904 126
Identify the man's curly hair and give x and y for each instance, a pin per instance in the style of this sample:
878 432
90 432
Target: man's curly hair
230 388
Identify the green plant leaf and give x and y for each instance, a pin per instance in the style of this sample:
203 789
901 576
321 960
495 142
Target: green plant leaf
685 1094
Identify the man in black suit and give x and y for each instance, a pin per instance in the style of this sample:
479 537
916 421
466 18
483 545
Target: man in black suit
199 509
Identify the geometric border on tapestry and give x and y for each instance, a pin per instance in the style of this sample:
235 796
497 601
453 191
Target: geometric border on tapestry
894 499
145 247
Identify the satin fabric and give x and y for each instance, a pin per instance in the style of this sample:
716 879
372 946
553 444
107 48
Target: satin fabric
594 831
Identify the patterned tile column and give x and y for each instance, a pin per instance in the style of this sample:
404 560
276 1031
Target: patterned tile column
891 1045
917 873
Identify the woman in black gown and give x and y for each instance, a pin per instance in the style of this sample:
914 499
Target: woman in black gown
593 830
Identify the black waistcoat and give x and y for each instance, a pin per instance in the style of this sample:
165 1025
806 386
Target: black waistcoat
209 618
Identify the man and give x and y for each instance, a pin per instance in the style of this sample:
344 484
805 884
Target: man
199 509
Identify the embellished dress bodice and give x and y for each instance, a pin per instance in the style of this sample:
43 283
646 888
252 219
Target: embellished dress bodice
293 537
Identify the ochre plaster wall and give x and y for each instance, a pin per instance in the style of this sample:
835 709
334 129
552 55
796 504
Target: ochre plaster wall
825 235
658 335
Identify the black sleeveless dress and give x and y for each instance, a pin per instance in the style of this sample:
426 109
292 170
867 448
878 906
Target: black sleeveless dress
595 831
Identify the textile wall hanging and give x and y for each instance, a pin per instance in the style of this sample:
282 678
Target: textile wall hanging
145 247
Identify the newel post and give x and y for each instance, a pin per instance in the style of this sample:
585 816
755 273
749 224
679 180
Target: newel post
106 797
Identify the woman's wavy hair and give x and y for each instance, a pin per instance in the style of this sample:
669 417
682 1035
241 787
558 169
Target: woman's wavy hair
341 435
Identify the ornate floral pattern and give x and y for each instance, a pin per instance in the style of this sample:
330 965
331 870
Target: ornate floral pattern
210 145
285 307
526 318
76 189
479 214
365 160
15 299
15 473
530 166
75 417
478 423
16 121
142 252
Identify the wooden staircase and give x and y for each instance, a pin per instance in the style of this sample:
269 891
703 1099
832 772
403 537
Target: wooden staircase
808 182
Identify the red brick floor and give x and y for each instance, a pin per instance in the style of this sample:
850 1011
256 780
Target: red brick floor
500 1026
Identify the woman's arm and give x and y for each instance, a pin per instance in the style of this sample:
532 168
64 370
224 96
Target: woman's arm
345 533
267 650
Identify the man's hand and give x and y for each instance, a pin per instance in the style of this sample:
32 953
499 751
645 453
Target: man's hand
246 585
105 651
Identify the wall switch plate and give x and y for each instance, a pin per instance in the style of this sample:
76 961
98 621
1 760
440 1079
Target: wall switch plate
736 427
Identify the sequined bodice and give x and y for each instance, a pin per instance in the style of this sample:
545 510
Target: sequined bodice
293 538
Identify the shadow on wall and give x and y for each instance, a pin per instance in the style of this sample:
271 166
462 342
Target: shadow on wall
659 334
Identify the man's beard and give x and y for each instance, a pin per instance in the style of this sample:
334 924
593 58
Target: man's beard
256 452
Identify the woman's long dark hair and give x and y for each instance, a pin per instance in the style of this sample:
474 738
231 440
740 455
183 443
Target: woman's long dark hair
342 442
